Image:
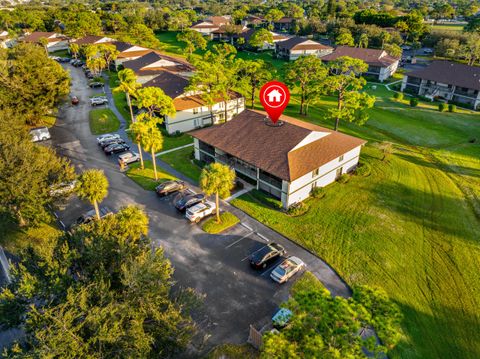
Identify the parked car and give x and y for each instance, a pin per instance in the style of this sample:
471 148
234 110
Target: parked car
199 211
101 100
112 141
428 51
116 148
189 200
170 187
107 136
62 188
95 84
77 63
266 255
75 100
89 75
128 157
287 269
40 134
91 215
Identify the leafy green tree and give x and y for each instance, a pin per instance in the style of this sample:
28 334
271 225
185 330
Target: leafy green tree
363 41
100 291
393 50
385 37
74 49
346 84
473 25
44 42
323 326
193 39
179 20
308 74
92 185
239 14
345 38
273 15
82 23
219 179
471 49
30 82
253 75
154 100
96 65
127 83
260 37
109 53
294 11
141 35
27 172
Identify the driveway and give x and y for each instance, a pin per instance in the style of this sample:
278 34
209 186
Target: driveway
235 296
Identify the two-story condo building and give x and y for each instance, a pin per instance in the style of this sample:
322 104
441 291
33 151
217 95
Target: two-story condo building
445 79
93 40
295 47
128 52
192 111
207 26
153 64
287 160
380 63
56 41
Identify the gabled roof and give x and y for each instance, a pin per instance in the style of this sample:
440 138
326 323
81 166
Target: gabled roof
288 151
203 24
301 43
93 39
145 65
195 101
223 29
173 85
219 20
50 36
122 46
285 20
451 73
373 57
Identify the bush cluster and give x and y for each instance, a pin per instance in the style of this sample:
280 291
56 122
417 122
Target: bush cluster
442 107
343 178
414 102
318 192
398 96
452 108
298 209
364 169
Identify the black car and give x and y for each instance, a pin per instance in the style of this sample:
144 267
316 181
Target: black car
95 84
77 63
189 200
262 257
112 141
170 187
92 215
116 148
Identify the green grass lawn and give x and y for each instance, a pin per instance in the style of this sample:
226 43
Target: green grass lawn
146 177
103 121
181 160
447 27
227 220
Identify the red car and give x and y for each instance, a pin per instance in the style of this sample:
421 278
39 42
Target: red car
75 100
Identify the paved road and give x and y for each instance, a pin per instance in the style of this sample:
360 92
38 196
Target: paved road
215 265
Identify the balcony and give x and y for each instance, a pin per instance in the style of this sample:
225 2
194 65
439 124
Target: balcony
238 165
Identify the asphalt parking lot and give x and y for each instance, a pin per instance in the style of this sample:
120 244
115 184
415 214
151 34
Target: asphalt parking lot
216 266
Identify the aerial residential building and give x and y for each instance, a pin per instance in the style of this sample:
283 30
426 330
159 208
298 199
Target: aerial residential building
448 80
5 40
380 64
286 160
128 52
153 64
228 32
296 47
285 24
94 40
253 20
207 26
56 41
192 110
266 46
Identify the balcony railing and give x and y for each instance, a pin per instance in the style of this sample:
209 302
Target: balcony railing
235 164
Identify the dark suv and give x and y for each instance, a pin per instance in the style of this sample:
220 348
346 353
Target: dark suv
189 200
267 254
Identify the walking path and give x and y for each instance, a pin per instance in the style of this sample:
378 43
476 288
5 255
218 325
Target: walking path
173 149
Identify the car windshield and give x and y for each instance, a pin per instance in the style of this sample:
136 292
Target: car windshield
261 253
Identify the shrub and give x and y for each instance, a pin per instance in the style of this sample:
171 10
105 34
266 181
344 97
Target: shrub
452 108
413 102
318 192
398 96
442 107
298 209
343 178
227 220
364 169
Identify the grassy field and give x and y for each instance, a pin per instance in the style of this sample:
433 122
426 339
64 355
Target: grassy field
146 177
446 27
181 160
411 227
103 121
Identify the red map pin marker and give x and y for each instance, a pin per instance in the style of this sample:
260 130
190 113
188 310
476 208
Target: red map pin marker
274 97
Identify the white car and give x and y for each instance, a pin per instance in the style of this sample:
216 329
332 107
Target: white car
199 211
62 188
107 137
128 157
40 134
287 269
95 101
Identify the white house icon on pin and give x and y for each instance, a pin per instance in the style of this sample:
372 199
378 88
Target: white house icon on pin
274 96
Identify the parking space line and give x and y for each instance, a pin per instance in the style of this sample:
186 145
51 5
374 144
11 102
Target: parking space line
253 252
247 227
238 240
272 266
262 236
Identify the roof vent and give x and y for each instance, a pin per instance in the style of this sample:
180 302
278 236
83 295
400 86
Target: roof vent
270 123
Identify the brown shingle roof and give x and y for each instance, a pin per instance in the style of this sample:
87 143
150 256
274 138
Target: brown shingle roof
451 73
269 148
373 57
285 20
37 35
138 65
218 20
90 39
173 85
189 102
296 43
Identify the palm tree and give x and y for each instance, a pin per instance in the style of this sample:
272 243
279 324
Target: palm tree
74 49
127 83
151 139
92 185
219 179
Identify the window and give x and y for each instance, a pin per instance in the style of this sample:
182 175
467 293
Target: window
315 173
195 111
339 172
340 159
